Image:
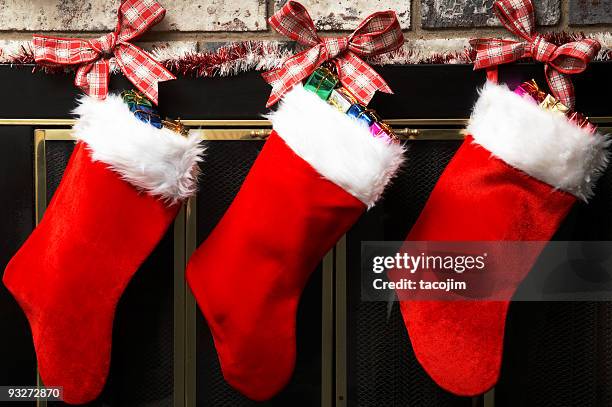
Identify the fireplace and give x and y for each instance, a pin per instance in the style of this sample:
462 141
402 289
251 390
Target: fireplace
350 353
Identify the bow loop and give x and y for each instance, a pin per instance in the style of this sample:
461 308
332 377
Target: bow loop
93 56
136 17
377 34
574 57
518 16
294 22
62 51
93 77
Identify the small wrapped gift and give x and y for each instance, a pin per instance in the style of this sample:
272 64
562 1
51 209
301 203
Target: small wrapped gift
530 90
322 82
142 108
176 126
382 130
134 98
341 99
550 103
360 112
578 119
147 115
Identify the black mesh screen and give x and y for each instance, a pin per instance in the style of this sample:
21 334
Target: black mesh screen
382 369
555 354
17 356
57 155
560 354
141 372
227 164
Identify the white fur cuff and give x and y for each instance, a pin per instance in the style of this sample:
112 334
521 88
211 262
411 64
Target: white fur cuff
158 161
338 146
537 141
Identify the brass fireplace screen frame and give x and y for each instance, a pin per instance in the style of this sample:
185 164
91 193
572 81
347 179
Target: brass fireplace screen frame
334 295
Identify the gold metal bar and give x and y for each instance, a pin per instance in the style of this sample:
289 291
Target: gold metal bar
426 122
188 122
247 134
39 384
179 309
341 318
429 134
233 134
190 308
392 122
265 123
40 204
489 398
600 119
40 174
226 123
57 134
327 330
262 134
37 122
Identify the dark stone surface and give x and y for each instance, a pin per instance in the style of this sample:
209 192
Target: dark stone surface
347 14
584 12
467 13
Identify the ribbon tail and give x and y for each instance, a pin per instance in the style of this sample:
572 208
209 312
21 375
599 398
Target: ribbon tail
142 70
46 50
561 86
281 82
93 78
272 100
360 78
492 74
294 70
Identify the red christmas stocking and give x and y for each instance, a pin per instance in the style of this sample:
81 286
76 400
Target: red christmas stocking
317 173
516 176
120 192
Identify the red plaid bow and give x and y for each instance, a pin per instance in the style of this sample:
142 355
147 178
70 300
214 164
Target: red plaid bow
92 76
377 34
518 17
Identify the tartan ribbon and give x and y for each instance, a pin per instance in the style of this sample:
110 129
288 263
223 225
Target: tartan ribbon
518 17
377 34
94 56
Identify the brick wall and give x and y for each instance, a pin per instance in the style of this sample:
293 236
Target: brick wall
194 23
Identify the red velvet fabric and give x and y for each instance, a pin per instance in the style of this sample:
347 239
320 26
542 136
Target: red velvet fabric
70 273
478 198
249 274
